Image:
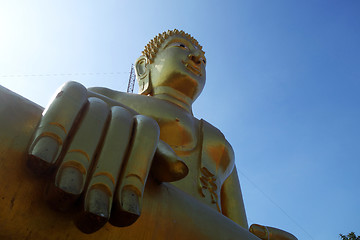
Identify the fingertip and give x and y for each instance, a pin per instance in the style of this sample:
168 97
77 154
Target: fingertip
38 166
126 209
181 170
123 219
258 230
97 207
169 169
43 154
88 222
66 190
95 211
59 199
120 218
75 89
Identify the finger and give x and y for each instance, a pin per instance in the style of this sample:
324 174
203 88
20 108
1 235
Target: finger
100 191
71 177
167 166
128 196
57 120
265 232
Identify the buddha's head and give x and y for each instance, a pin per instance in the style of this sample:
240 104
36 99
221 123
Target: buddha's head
172 63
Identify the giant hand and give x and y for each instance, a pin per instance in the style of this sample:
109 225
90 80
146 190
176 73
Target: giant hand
102 151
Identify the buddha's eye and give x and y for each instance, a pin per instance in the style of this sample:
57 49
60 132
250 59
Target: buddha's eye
178 44
202 59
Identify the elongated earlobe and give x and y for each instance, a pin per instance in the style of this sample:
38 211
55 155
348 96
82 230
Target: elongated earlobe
143 75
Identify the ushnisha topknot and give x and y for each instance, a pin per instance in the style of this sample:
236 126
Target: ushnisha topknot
153 46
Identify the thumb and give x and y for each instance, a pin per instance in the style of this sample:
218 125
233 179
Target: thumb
167 166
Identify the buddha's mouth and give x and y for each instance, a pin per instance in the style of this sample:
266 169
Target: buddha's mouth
192 68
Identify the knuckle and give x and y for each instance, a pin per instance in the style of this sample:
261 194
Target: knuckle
120 112
98 106
69 99
97 102
73 85
146 122
74 89
147 126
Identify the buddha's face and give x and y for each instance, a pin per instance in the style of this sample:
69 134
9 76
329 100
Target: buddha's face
180 65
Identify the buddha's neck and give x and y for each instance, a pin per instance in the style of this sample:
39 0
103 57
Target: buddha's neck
173 96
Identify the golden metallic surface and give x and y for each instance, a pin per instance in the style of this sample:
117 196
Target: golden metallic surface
153 46
51 133
108 158
102 185
167 166
24 214
270 233
231 196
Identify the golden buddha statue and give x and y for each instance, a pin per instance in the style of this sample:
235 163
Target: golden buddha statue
135 160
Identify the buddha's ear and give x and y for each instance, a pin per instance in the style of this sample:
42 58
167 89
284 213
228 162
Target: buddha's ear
143 75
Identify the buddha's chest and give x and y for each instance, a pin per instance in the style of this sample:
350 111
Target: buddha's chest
178 129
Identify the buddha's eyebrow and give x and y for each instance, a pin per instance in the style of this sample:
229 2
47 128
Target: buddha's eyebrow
187 43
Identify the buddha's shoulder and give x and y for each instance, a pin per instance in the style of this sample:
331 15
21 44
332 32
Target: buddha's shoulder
217 150
215 138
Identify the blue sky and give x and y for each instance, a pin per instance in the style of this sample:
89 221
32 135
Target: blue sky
283 85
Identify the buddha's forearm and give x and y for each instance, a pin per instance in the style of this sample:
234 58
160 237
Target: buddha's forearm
232 201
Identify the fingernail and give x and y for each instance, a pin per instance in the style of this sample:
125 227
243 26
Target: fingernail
130 201
181 169
98 202
70 180
97 211
46 149
258 230
125 210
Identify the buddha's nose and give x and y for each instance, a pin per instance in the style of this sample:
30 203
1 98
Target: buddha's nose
196 58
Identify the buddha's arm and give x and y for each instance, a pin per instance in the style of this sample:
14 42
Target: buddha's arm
232 201
233 207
